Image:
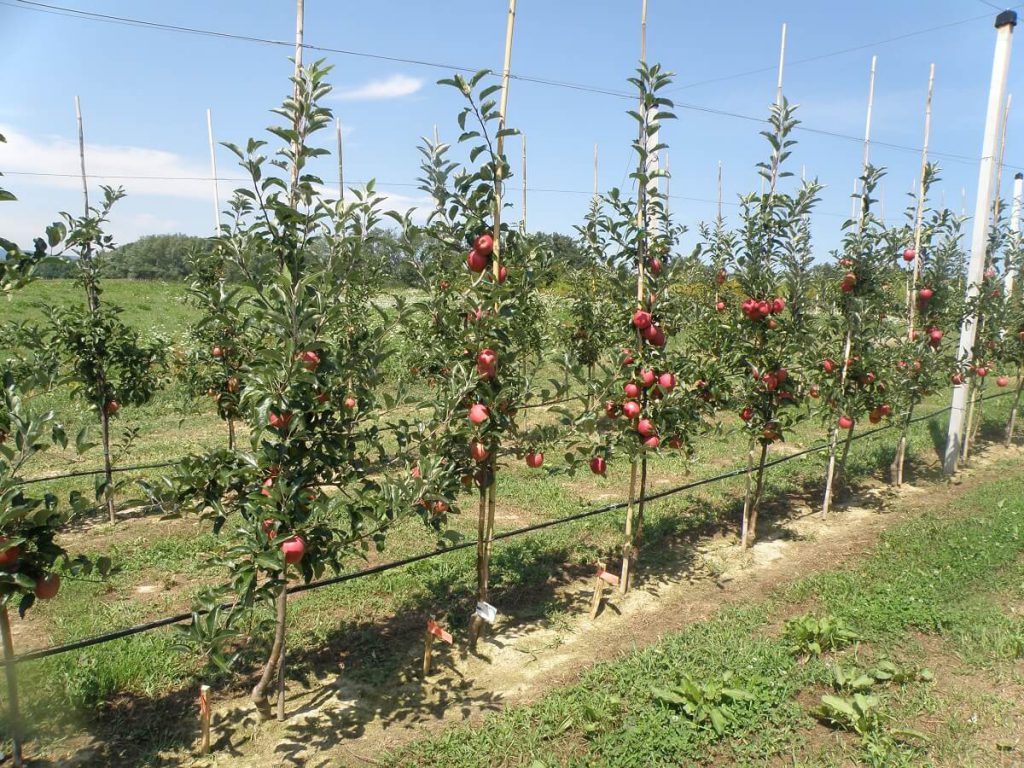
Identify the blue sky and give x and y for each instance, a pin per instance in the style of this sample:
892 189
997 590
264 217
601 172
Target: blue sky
145 93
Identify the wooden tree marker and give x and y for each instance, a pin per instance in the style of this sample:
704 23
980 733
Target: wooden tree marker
434 630
601 578
204 719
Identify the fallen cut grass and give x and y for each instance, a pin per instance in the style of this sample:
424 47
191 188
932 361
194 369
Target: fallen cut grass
928 575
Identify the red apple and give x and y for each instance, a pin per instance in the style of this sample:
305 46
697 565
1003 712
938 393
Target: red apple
598 465
112 407
720 277
982 371
534 459
350 403
845 422
652 442
217 351
778 305
675 443
439 507
478 451
829 365
476 261
267 484
310 359
720 306
925 294
631 409
611 410
764 307
486 363
957 379
909 255
502 274
656 337
667 381
48 586
642 319
747 414
646 427
885 409
627 357
655 266
648 377
294 548
484 245
479 413
269 528
8 556
1002 381
631 389
814 392
281 420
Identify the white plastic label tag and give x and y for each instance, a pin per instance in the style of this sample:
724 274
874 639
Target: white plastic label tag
486 611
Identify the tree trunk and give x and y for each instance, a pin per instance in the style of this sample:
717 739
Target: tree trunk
1012 422
896 470
756 505
634 542
748 497
965 451
276 658
231 434
627 548
841 468
108 475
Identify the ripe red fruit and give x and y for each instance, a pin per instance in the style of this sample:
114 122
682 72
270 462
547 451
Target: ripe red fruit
829 365
814 392
652 442
764 308
479 413
350 403
631 390
269 528
486 362
265 491
778 305
747 414
720 277
642 319
720 306
9 556
217 351
534 459
957 378
646 427
675 442
439 507
875 416
648 377
281 420
655 336
655 266
982 371
48 586
478 451
909 255
415 471
294 549
1002 381
611 409
667 381
925 294
502 274
112 407
598 465
476 261
484 245
627 357
310 359
631 409
934 336
771 381
845 422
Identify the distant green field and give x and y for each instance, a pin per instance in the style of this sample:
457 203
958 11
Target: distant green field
154 307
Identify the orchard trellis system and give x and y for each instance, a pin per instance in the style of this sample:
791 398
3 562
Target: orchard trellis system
311 415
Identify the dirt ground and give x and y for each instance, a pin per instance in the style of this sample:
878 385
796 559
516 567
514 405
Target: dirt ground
334 721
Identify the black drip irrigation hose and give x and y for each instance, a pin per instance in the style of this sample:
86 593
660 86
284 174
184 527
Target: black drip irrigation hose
88 472
107 637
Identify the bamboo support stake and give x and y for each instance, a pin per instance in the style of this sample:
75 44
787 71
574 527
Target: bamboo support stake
481 576
341 161
627 549
93 299
782 64
1005 22
833 443
13 708
523 229
213 173
595 171
299 28
1018 193
204 719
748 496
919 211
718 217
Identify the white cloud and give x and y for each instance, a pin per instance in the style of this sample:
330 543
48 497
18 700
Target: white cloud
392 87
53 161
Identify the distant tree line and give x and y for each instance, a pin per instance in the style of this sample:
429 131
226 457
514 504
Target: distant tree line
168 257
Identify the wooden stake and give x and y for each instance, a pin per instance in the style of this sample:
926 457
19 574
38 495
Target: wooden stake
833 443
341 161
524 185
627 548
919 212
299 24
93 302
13 710
719 216
204 719
782 64
595 171
213 173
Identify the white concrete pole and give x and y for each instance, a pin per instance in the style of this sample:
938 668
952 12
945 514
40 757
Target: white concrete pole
1005 22
213 172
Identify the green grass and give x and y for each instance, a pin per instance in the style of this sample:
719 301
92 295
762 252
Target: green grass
929 574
